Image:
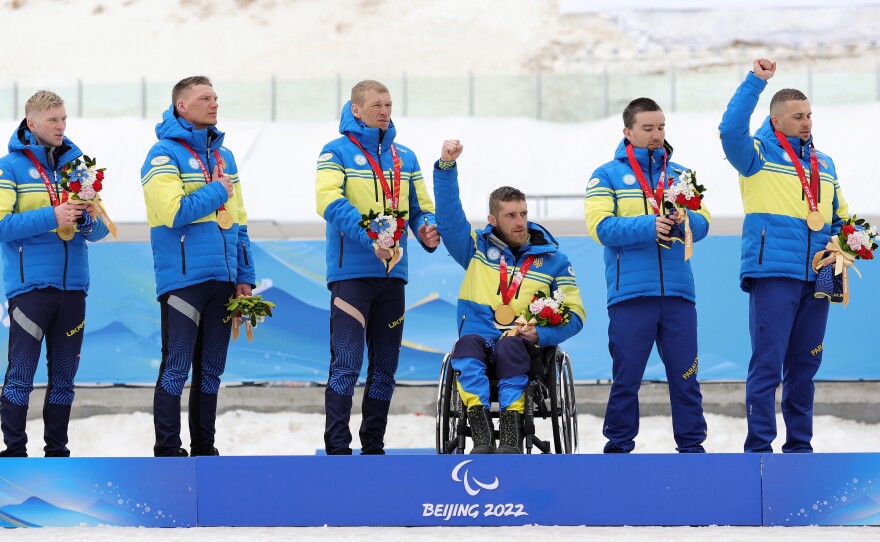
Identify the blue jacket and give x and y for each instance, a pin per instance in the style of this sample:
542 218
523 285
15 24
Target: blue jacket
33 254
479 253
188 246
776 241
346 188
619 218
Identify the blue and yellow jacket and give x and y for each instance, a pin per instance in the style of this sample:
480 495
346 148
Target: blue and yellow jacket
776 241
188 245
33 254
479 253
346 188
620 218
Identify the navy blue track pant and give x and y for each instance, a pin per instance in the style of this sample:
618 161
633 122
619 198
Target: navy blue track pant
370 308
787 326
195 335
59 316
634 326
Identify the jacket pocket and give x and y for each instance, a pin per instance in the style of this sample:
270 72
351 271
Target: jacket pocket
182 254
244 249
341 247
617 280
21 262
761 252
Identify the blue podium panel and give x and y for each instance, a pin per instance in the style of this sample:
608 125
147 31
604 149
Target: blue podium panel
471 490
125 492
821 489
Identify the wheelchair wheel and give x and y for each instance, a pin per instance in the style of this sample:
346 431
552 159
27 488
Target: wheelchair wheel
450 412
562 404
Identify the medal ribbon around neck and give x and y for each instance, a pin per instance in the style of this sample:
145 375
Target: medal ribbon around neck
53 196
655 197
392 196
507 292
802 175
205 169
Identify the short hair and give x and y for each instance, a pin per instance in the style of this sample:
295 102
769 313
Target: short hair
359 91
783 96
504 193
185 84
42 100
639 105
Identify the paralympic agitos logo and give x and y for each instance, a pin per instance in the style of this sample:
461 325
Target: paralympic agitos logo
466 480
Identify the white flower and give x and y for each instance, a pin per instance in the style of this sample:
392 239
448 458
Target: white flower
559 296
872 231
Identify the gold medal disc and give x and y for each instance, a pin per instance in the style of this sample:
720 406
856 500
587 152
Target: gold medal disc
224 219
66 232
504 314
815 221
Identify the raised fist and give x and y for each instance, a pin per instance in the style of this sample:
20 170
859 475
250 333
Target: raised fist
764 68
451 150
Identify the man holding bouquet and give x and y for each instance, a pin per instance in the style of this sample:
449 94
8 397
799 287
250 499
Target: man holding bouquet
45 271
793 207
516 278
202 257
651 295
368 189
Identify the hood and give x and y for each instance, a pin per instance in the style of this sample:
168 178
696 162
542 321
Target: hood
177 127
766 133
642 155
22 139
369 138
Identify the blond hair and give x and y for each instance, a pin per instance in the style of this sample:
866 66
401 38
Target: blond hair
185 84
42 100
359 91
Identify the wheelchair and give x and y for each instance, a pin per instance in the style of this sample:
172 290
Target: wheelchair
547 396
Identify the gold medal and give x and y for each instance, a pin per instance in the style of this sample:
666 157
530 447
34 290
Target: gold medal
66 232
504 314
224 219
815 221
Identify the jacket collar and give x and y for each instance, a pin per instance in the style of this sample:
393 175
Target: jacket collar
22 139
644 155
369 138
174 126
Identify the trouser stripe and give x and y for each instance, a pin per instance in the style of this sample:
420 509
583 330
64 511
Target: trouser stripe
27 324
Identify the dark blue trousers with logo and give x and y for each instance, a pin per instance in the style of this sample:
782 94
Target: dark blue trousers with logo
359 308
195 335
787 326
59 316
634 326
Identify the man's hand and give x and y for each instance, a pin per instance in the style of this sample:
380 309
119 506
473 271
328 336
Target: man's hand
384 253
451 150
429 235
243 289
663 226
676 217
66 213
224 180
529 333
764 68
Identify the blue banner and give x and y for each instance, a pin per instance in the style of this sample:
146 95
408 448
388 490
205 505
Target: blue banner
667 489
122 342
72 492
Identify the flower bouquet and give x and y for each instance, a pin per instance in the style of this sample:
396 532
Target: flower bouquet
543 311
855 241
83 180
386 229
248 311
684 194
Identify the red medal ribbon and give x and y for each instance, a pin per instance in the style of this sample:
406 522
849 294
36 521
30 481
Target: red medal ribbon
507 293
53 196
202 165
809 187
655 198
393 196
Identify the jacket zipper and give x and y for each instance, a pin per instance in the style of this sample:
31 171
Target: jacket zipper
617 283
341 247
807 267
244 249
375 180
761 253
226 258
659 250
182 254
64 275
21 262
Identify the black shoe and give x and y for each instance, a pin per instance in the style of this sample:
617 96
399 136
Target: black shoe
210 451
13 453
180 452
511 438
481 430
612 449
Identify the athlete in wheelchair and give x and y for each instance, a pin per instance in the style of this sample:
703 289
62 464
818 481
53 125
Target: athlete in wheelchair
518 298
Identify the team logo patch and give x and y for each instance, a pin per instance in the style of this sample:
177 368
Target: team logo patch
360 159
34 173
823 162
193 163
571 270
592 182
629 179
786 157
493 254
1 172
326 156
160 160
538 263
